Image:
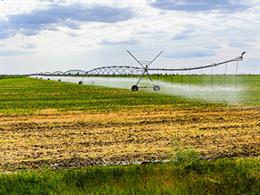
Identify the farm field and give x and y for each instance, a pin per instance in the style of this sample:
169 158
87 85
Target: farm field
185 175
56 125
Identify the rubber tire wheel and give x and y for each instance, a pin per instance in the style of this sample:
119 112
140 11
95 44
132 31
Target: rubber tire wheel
48 79
80 82
134 88
156 88
59 80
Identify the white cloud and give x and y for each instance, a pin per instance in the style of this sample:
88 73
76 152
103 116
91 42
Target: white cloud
211 35
30 46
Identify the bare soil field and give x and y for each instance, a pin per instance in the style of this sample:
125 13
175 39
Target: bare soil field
58 139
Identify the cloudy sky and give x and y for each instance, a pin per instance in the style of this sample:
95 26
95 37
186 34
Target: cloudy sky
50 35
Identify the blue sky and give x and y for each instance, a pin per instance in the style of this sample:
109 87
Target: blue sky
50 35
201 5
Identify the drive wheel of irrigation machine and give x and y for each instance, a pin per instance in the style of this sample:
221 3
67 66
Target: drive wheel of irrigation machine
156 88
134 88
80 82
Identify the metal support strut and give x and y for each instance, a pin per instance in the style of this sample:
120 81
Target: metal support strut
145 65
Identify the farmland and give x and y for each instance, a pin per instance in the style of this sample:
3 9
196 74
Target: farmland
55 125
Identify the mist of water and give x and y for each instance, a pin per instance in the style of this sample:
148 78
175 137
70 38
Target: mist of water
215 93
212 93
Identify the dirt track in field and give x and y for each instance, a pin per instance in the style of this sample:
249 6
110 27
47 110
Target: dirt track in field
73 139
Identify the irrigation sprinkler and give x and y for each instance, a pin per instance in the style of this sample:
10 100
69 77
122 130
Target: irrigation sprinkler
145 66
144 70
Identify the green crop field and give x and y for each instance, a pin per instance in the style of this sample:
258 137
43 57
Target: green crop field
65 138
27 95
186 174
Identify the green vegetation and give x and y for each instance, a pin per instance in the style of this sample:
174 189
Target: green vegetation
28 95
10 76
186 174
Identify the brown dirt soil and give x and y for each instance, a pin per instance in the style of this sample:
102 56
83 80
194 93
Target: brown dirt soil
73 139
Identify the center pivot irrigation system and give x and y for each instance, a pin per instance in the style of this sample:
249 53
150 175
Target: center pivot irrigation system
145 66
142 70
